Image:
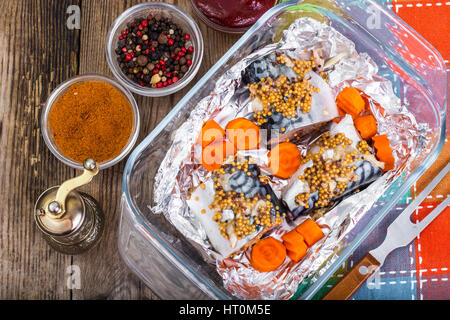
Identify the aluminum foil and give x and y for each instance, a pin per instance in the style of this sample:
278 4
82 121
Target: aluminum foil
179 170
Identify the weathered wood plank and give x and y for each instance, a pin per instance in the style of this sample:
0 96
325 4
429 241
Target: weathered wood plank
103 273
37 52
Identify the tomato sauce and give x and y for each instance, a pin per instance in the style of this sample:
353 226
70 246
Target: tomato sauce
234 13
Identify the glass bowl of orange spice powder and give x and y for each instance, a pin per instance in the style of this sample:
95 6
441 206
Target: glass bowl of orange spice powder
90 116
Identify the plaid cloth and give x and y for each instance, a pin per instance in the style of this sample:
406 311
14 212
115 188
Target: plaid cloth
419 271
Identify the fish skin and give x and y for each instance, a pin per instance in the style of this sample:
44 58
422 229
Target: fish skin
366 172
302 210
265 68
323 106
240 182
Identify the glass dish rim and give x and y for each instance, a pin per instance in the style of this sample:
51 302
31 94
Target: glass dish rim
55 94
309 293
151 92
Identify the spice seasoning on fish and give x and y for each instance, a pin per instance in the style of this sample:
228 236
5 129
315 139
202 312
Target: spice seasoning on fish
284 95
248 213
363 147
91 119
329 176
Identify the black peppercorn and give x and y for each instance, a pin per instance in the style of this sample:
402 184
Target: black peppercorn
142 60
154 36
154 55
162 38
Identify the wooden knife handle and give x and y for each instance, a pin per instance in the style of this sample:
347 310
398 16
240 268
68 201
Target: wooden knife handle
352 281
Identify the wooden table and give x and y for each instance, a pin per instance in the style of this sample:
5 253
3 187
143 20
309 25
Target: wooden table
37 52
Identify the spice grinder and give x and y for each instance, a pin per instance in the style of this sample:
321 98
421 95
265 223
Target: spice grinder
71 222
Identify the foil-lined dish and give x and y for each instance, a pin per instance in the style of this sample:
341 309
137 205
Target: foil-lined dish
288 91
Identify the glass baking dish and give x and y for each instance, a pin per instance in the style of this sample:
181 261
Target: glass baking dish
164 259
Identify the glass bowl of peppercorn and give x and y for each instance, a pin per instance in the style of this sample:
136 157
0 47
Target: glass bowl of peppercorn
154 49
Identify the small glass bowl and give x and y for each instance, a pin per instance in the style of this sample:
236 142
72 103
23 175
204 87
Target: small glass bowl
214 25
179 17
218 27
54 96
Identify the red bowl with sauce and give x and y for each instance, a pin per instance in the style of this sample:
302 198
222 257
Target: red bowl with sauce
232 16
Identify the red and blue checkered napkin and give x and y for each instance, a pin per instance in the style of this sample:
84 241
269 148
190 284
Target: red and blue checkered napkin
419 271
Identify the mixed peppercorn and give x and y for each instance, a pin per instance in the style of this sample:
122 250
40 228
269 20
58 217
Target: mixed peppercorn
154 52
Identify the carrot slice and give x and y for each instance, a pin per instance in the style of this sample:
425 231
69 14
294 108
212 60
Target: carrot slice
299 252
215 153
367 126
366 99
243 133
292 238
284 160
350 101
268 254
384 151
211 131
310 231
295 245
291 246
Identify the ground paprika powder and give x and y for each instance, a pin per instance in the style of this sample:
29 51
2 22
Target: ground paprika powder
91 119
